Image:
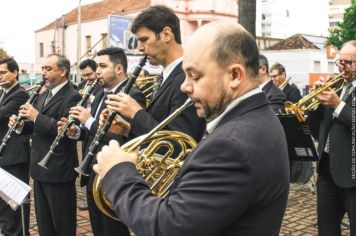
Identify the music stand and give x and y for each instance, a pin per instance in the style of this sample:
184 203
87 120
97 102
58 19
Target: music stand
300 143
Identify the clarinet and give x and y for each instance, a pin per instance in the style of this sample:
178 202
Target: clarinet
10 132
45 161
84 168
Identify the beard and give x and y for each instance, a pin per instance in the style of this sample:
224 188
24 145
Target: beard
211 112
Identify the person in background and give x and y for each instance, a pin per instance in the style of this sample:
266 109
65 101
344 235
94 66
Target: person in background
278 75
274 95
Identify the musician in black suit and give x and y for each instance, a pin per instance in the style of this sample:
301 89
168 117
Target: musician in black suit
275 96
228 185
278 75
111 71
15 158
54 188
157 31
336 183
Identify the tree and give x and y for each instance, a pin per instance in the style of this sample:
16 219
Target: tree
247 15
3 53
346 30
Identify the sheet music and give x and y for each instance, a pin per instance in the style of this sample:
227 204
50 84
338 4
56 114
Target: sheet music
12 190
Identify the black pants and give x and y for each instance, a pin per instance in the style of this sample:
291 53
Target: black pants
333 202
100 223
10 221
55 206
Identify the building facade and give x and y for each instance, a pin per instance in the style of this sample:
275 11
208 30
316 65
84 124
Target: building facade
61 36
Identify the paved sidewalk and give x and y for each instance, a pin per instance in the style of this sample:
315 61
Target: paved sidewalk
300 217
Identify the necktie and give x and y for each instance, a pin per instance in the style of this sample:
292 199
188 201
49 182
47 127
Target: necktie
2 95
348 87
48 98
158 85
102 104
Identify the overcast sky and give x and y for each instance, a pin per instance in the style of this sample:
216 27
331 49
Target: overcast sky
20 18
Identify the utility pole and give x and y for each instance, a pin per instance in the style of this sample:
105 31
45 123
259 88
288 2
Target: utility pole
77 79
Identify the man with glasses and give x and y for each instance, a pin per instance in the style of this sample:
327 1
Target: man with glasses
275 97
15 158
54 188
278 76
336 183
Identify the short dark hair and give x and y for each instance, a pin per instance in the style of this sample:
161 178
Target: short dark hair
88 62
279 67
236 45
263 61
62 62
11 65
116 56
156 18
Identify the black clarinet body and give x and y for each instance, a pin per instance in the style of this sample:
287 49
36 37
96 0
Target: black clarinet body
84 168
45 161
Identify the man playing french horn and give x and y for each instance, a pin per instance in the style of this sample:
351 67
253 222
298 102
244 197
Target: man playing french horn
228 185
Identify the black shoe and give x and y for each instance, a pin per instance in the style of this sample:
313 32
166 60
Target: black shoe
83 207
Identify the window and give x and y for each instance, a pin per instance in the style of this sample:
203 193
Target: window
316 66
88 43
41 50
105 40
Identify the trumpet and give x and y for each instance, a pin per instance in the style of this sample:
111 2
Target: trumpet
45 161
11 130
84 168
299 108
157 169
284 84
147 79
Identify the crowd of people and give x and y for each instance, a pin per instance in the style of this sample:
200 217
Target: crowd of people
229 184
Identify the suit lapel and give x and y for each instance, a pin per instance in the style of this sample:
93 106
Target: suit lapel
56 98
251 103
7 96
96 102
166 83
267 86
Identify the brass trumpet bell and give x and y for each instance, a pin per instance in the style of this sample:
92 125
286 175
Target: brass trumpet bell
309 102
159 160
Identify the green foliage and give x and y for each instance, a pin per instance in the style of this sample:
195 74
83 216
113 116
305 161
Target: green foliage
347 30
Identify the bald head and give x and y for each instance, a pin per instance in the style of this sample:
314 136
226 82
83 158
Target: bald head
227 42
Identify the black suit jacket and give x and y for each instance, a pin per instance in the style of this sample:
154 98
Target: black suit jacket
44 131
167 99
88 135
18 148
342 163
292 93
227 186
275 96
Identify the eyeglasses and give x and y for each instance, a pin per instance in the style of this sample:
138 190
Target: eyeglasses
274 76
339 62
